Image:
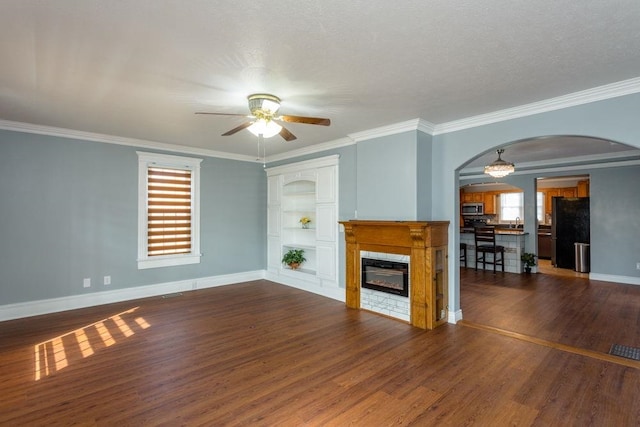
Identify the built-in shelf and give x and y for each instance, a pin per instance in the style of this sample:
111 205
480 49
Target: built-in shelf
296 246
304 189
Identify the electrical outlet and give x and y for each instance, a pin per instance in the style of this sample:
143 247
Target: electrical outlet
107 280
86 283
638 266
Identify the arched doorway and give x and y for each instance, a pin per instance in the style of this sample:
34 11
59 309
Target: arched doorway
609 171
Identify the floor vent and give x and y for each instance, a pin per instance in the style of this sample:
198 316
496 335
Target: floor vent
177 294
625 351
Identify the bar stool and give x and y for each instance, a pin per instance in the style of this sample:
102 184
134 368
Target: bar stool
463 254
485 238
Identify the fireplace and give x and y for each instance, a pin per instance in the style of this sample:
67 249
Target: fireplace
386 276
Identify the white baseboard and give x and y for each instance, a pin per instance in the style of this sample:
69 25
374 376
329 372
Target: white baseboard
54 305
616 279
454 316
333 291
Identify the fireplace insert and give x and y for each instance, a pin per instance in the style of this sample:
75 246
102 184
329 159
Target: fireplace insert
386 276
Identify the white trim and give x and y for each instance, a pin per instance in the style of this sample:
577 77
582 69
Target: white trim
613 90
330 291
145 160
332 160
454 316
54 305
628 280
600 93
312 149
393 129
528 169
167 261
118 140
407 126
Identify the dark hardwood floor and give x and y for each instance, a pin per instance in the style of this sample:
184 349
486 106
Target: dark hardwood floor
259 353
574 311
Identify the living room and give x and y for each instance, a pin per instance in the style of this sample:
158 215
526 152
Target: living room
70 212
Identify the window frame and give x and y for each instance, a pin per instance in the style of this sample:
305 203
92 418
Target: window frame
501 216
146 160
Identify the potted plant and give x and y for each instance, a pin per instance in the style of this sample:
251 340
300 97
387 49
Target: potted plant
293 258
305 220
529 260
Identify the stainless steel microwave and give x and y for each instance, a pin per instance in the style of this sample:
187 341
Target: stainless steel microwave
473 209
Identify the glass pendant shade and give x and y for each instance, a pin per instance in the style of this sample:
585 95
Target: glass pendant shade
265 128
499 168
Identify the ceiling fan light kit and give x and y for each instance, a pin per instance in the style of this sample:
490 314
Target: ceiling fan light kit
499 168
268 104
263 108
266 128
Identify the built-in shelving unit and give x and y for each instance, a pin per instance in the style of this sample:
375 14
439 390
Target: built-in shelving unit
304 189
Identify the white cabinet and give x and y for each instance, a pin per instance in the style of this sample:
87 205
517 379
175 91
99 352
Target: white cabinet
306 189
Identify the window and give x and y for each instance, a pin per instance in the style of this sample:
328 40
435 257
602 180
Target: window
168 210
540 206
511 206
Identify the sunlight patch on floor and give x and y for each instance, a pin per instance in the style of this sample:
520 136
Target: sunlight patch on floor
53 355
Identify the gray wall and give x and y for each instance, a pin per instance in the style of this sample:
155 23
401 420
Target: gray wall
387 177
68 210
615 227
424 170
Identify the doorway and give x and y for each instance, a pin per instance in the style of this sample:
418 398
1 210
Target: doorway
563 220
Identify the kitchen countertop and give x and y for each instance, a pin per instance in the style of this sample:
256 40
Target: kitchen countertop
499 231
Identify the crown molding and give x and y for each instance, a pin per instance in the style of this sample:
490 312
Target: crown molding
312 149
613 90
110 139
406 126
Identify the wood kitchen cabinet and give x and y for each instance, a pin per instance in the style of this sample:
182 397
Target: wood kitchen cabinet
550 193
544 244
475 197
583 188
489 201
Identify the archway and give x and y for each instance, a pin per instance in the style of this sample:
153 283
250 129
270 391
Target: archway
612 155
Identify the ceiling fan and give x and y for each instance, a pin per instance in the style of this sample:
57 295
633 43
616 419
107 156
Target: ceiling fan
264 108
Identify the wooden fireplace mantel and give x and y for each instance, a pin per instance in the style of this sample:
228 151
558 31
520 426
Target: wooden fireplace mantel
426 244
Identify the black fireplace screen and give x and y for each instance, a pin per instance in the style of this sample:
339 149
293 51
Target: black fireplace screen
386 276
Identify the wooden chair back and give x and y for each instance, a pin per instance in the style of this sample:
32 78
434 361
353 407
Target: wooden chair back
485 236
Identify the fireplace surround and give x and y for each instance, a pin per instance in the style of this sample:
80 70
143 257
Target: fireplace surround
425 242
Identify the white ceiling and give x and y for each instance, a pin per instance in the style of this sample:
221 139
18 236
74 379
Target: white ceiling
141 68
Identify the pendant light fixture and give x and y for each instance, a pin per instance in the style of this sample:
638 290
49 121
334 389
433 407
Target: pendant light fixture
499 168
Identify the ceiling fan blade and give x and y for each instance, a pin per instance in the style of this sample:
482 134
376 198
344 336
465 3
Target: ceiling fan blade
288 136
305 120
223 114
238 128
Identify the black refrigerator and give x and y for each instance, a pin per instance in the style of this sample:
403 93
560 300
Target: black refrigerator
569 225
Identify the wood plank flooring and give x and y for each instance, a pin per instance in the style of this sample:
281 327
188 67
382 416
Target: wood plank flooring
263 354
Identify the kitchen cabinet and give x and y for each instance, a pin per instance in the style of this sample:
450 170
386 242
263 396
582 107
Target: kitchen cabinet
550 193
544 243
490 202
583 188
475 197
